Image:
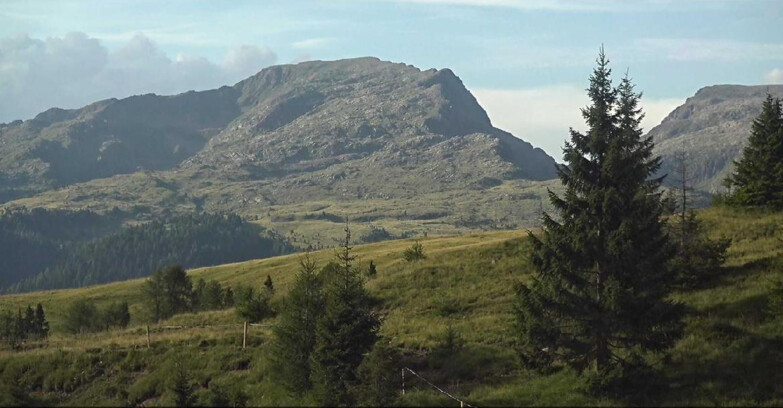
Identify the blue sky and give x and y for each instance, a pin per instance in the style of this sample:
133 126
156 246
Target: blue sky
527 61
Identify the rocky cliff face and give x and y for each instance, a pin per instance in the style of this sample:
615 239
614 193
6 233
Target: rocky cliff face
711 128
366 126
358 128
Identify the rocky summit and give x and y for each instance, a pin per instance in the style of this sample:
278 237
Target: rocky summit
710 129
365 128
315 132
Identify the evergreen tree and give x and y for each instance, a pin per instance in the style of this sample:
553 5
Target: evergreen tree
295 329
198 295
414 253
6 326
169 291
379 376
117 315
757 179
181 388
251 305
28 322
178 289
697 257
41 325
372 270
228 297
18 333
154 292
598 299
212 298
269 286
345 332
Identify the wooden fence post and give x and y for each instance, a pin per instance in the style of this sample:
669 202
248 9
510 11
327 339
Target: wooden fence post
148 336
403 381
244 336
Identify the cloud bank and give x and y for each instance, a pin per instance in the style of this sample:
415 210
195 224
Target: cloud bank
542 116
774 77
75 70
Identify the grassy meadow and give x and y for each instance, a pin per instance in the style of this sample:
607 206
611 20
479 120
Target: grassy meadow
731 353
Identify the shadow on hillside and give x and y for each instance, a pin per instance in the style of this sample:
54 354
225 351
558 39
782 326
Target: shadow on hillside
463 367
742 367
751 310
730 275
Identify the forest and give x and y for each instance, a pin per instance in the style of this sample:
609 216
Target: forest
57 249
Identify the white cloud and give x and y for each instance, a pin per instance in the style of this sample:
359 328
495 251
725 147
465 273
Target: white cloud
543 116
311 43
578 5
774 77
696 49
248 59
584 5
76 70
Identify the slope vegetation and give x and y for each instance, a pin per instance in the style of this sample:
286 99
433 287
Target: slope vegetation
730 354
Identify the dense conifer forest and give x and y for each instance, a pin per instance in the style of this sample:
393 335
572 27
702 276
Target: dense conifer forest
68 258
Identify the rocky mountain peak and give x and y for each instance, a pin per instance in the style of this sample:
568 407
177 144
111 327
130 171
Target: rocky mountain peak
711 127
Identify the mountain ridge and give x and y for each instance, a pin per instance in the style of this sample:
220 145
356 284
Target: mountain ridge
712 127
414 143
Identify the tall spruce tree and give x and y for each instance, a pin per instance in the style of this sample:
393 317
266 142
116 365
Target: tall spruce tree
697 257
295 330
41 325
598 299
757 179
347 330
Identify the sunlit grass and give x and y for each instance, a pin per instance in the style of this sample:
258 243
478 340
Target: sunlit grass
730 355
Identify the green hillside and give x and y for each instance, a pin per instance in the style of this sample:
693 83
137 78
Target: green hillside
730 354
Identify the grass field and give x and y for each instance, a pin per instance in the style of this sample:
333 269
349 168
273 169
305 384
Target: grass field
731 354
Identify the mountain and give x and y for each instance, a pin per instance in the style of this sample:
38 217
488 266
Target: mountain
408 144
711 128
149 132
367 128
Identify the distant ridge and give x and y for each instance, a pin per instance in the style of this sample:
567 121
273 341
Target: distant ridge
349 128
712 127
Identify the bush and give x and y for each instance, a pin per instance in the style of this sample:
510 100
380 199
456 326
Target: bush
251 305
116 315
181 388
81 316
414 253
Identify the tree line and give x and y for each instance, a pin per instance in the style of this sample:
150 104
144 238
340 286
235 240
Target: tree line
326 343
38 238
28 325
190 240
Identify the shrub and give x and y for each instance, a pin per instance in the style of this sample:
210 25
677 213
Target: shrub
379 376
251 305
116 315
414 253
81 316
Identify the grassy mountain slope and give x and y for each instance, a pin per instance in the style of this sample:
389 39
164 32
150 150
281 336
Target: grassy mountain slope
711 127
731 352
